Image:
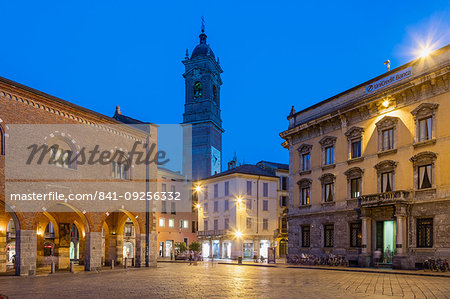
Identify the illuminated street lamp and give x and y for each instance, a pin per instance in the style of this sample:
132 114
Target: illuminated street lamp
238 234
385 103
198 188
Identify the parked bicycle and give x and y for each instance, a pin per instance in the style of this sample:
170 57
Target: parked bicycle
436 265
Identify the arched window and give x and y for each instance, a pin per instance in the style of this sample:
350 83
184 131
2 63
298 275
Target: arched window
49 231
121 168
216 99
2 142
62 153
197 89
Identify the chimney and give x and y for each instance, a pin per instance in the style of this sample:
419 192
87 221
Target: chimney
118 110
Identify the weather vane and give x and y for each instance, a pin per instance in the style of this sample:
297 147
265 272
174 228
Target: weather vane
203 24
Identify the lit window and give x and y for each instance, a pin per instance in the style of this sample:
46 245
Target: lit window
162 222
185 224
355 185
171 222
306 196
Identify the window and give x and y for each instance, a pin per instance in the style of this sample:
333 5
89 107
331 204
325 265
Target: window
181 223
425 232
306 236
249 223
193 227
354 138
249 204
171 222
305 191
2 142
265 224
162 222
284 182
387 131
173 209
329 155
305 157
249 188
355 234
163 187
216 224
226 223
227 188
205 207
172 189
185 224
120 169
386 175
306 196
227 204
60 157
163 207
205 225
306 162
265 205
216 206
388 139
206 192
216 190
328 143
386 181
355 188
327 180
354 180
329 235
356 149
425 120
423 164
283 201
425 129
425 177
265 190
328 192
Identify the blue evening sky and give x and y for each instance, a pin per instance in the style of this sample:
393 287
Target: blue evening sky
275 54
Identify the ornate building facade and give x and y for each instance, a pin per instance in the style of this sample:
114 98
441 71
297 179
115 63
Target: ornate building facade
368 168
64 232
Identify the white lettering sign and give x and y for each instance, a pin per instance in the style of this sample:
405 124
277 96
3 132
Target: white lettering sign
389 80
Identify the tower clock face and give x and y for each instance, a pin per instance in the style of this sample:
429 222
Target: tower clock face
215 160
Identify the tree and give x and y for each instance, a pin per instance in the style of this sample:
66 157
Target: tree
195 246
180 247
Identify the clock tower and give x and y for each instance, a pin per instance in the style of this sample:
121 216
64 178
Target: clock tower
203 145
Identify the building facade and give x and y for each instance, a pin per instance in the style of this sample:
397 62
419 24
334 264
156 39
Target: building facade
238 212
367 168
203 136
174 224
64 232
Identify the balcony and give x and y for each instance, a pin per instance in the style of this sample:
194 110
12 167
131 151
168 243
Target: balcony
384 198
216 232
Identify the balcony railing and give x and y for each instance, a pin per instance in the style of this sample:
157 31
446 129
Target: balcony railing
216 232
385 197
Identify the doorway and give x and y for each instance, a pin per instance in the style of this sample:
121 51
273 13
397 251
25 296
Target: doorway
386 233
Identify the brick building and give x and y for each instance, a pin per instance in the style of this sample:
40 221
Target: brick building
367 168
65 231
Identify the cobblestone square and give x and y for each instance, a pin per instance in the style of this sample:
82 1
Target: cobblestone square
206 280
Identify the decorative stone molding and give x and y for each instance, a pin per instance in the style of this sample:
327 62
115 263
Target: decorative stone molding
423 158
385 166
328 141
354 132
305 148
305 182
327 178
354 173
424 109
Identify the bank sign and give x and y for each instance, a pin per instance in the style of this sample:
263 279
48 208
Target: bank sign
389 80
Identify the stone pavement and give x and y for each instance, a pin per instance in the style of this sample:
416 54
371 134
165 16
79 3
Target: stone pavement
171 280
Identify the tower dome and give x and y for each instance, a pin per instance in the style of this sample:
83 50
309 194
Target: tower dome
202 49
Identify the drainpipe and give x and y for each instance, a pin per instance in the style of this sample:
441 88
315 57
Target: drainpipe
257 204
